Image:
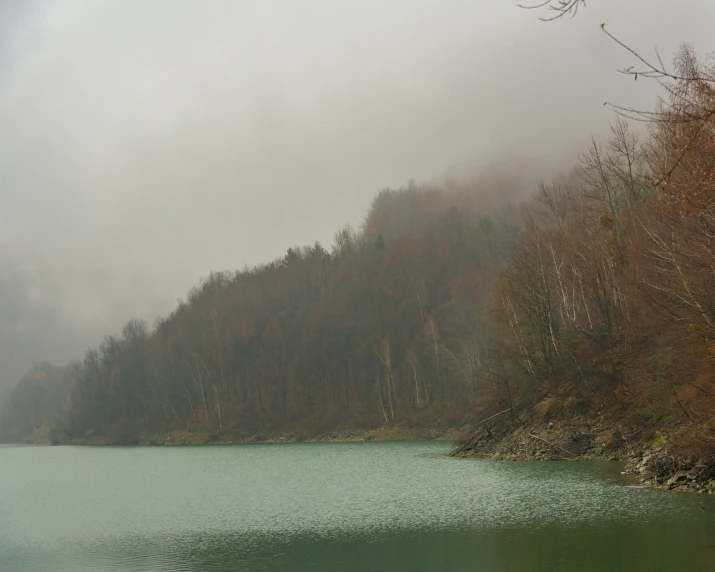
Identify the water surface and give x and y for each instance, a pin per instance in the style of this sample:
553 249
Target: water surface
320 507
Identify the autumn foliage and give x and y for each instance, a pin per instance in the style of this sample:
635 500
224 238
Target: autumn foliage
441 308
385 328
609 295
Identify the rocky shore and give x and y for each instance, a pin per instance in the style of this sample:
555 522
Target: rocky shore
651 462
658 469
548 442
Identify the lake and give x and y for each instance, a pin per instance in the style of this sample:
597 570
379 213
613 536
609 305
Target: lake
335 506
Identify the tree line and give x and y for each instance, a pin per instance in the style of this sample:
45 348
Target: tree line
598 289
609 293
384 328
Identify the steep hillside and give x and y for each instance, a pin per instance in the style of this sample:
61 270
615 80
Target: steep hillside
591 305
385 329
605 314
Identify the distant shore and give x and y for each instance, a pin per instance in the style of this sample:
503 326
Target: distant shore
199 437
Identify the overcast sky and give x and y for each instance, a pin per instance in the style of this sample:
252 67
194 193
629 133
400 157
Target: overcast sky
146 143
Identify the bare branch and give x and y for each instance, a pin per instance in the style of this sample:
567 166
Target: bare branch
561 8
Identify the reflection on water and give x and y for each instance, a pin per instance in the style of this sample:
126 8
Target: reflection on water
366 506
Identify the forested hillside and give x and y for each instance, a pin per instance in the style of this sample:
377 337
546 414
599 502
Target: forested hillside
607 305
598 292
387 327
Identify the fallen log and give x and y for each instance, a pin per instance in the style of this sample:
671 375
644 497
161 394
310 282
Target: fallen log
533 436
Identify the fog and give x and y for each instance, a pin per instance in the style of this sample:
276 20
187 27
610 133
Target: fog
144 144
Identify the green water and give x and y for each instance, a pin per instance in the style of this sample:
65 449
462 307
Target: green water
314 507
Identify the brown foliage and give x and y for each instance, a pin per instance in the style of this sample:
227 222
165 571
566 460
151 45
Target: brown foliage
611 289
382 330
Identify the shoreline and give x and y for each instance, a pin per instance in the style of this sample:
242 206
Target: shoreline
652 463
578 440
179 437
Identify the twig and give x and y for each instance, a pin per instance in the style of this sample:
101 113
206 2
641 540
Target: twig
497 414
672 388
